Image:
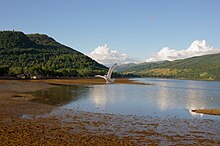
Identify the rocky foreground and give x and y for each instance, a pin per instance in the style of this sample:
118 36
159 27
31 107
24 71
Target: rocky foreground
23 122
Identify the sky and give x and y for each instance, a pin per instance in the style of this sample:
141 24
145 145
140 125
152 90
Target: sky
121 31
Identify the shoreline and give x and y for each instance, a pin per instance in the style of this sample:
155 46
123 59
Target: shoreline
207 111
89 81
22 122
82 78
75 81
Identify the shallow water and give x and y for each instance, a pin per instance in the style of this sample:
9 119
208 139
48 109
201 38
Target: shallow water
165 98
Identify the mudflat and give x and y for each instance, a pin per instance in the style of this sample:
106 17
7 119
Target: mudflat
207 111
88 81
23 122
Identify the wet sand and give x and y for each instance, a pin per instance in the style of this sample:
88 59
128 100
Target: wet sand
23 122
207 111
89 81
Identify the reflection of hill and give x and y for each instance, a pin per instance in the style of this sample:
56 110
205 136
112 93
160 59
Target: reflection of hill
60 95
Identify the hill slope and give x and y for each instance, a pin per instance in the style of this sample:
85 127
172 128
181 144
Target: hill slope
39 54
201 67
138 67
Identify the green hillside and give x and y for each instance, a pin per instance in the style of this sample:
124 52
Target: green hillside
37 54
123 67
202 67
138 67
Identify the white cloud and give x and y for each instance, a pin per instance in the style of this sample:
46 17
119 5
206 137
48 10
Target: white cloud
197 48
106 56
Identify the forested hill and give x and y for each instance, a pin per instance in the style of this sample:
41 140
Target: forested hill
201 67
40 55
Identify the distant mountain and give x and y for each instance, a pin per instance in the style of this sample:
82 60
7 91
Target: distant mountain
138 67
201 67
39 54
124 67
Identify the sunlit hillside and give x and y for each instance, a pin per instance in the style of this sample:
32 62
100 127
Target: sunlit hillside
201 67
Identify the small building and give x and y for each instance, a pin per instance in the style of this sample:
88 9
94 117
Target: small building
33 77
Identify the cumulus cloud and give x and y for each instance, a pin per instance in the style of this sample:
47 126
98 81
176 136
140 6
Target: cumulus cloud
197 48
106 56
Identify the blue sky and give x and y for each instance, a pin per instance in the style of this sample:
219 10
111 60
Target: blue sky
139 28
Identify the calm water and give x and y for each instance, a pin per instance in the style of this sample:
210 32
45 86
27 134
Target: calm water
166 97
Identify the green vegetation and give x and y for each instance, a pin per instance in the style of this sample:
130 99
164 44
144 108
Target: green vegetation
205 67
40 55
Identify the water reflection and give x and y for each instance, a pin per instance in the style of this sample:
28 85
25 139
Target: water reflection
60 95
193 101
164 100
166 97
100 93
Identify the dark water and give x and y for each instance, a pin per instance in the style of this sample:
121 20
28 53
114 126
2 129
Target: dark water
60 95
166 97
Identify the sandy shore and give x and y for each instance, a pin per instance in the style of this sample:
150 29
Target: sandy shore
88 81
207 111
23 122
